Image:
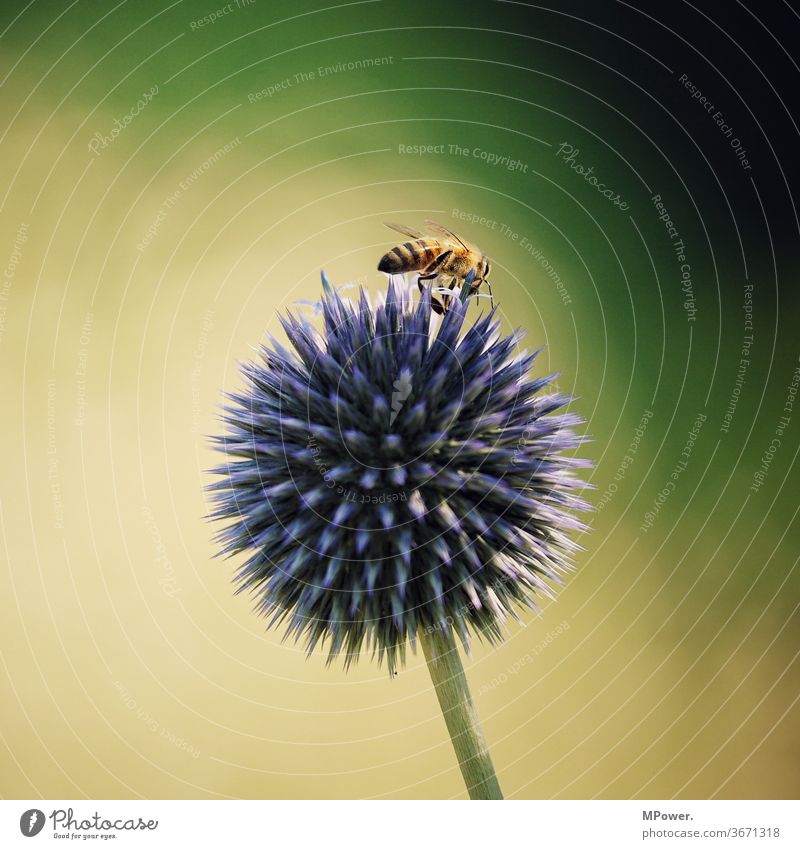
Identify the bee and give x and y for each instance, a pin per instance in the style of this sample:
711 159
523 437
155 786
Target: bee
437 252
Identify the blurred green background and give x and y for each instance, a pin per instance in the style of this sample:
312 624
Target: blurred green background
171 181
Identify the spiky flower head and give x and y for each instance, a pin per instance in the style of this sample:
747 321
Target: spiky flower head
385 478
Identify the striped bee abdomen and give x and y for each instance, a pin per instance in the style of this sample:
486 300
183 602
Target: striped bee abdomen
410 256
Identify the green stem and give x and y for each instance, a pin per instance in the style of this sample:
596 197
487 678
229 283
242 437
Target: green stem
455 699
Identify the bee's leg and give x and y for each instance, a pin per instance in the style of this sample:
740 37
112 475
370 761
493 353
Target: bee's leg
436 304
491 296
421 278
433 270
430 273
446 298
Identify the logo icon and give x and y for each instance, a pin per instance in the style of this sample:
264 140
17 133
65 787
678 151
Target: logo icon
402 387
31 822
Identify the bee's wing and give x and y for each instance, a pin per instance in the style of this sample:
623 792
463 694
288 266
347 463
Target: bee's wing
449 235
406 231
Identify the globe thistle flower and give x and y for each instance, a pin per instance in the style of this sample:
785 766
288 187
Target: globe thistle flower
390 482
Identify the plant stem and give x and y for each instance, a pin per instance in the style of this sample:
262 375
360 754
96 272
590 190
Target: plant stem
455 699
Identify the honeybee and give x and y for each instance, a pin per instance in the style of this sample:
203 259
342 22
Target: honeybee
437 252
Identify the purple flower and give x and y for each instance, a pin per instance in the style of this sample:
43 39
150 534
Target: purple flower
383 478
